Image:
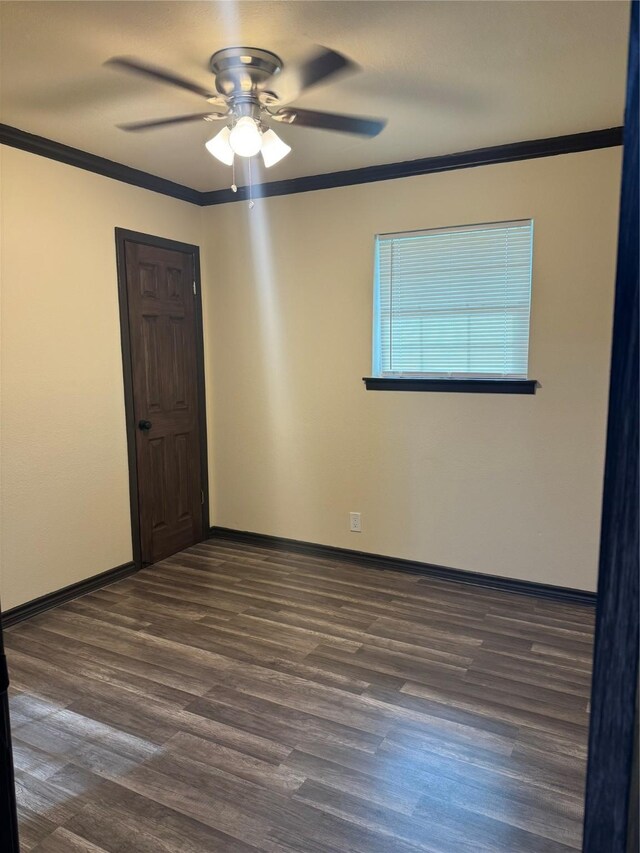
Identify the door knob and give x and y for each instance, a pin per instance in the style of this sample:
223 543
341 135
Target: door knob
144 425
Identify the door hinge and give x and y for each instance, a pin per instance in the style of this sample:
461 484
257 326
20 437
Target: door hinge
194 288
201 496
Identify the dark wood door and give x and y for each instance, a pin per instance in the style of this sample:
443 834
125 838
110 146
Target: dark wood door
163 349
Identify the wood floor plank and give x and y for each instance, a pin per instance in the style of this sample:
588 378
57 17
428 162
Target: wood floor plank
65 841
34 828
92 669
140 669
235 698
282 725
148 827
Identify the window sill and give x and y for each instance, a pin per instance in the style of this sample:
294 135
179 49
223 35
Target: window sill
463 386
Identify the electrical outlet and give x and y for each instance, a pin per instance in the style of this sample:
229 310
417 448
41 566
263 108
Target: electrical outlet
355 522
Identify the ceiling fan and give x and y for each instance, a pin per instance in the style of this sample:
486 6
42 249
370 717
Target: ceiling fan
255 89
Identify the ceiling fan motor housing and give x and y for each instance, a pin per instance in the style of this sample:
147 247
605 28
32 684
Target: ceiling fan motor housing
240 71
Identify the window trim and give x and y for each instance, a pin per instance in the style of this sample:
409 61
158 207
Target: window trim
465 386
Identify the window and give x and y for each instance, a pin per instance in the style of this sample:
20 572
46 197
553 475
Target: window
453 303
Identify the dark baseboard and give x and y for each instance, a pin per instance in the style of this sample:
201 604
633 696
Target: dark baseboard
276 543
377 561
59 596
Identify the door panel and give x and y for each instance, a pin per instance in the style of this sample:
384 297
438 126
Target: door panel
174 283
148 278
183 452
151 364
178 377
158 474
163 346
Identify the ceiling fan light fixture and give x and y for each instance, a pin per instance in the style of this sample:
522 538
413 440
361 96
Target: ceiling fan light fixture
245 139
273 148
220 148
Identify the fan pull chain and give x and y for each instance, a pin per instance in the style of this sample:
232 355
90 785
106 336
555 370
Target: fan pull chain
234 186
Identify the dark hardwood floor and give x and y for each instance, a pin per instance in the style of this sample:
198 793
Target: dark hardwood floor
235 699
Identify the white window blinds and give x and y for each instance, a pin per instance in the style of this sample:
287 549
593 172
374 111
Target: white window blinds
453 302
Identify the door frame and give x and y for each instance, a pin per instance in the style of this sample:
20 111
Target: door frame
122 237
9 840
610 816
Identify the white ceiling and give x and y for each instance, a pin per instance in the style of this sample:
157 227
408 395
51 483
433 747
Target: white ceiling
449 76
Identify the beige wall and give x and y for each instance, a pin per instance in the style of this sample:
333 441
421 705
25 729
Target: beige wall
65 500
507 485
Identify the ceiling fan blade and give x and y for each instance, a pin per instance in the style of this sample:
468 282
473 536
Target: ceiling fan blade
163 75
298 77
164 122
331 121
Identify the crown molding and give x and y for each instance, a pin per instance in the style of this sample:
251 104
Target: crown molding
16 138
570 144
512 152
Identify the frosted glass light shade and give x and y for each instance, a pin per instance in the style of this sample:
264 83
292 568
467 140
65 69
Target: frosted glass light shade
219 147
245 138
273 148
